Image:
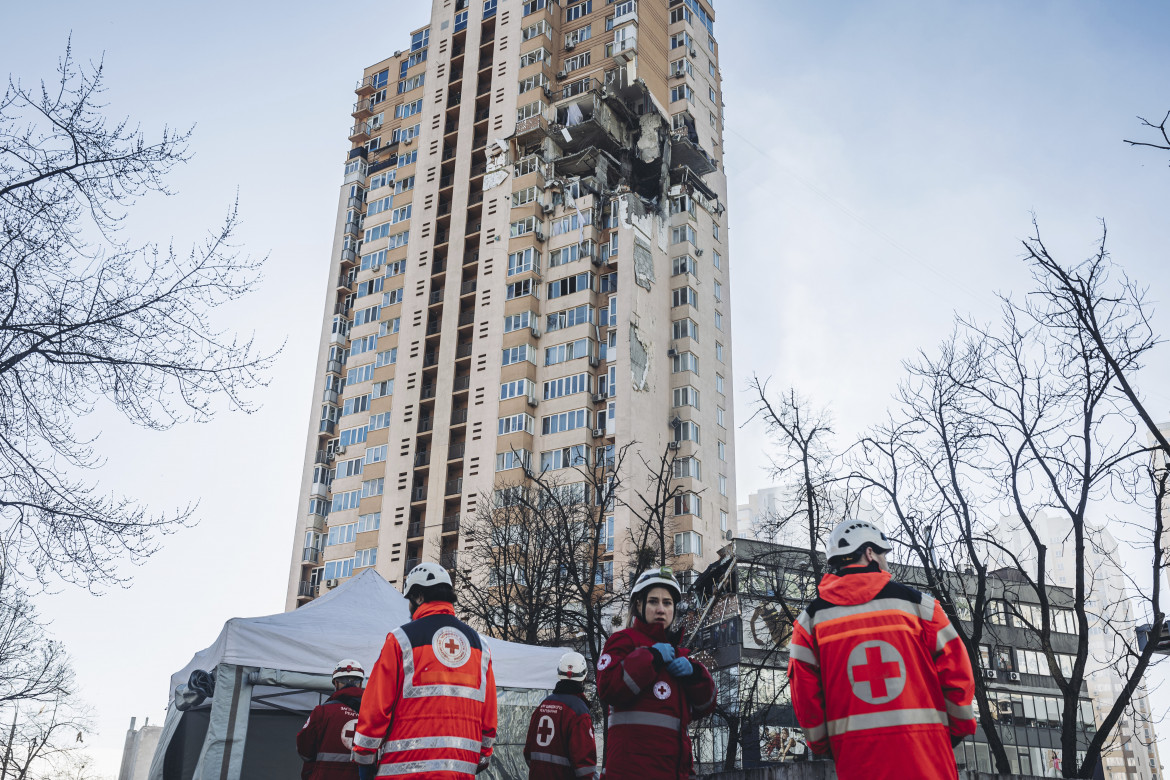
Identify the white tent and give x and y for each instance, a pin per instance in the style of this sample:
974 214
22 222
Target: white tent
273 669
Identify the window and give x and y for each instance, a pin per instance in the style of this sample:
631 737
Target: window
519 354
574 12
685 328
513 459
382 389
608 282
375 454
568 385
355 405
681 67
381 78
682 92
680 14
722 520
373 487
522 227
408 158
571 222
524 196
520 388
532 82
688 543
392 297
406 85
573 63
389 327
535 30
524 260
682 234
407 109
578 35
719 417
684 361
684 265
718 321
387 357
564 458
681 40
686 396
570 285
719 384
718 291
335 570
378 206
721 448
407 183
347 500
536 108
686 468
360 374
716 259
569 317
340 534
516 423
405 134
518 321
397 268
564 255
346 468
520 289
722 485
688 504
532 6
718 351
565 421
562 353
380 421
687 431
534 56
366 557
400 214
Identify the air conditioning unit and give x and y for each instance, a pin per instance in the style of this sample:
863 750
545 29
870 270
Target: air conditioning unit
562 74
539 236
598 433
599 398
675 421
339 451
330 583
1014 676
728 535
570 45
698 253
408 141
548 208
672 352
533 402
693 53
989 674
398 53
535 332
329 456
594 362
548 93
674 445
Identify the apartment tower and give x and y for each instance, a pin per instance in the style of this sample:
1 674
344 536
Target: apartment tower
530 271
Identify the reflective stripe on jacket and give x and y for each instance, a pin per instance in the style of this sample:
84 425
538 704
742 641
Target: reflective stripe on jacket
649 710
880 678
560 743
324 741
430 703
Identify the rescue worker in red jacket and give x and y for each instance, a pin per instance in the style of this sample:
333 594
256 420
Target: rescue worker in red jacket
560 744
652 688
325 740
430 703
879 677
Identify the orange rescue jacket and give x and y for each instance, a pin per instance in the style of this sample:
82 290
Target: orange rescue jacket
880 679
430 703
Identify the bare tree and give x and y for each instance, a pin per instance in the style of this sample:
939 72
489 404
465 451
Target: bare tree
44 741
87 318
1035 418
1164 143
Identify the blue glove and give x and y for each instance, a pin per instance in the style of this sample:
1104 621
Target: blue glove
680 667
367 771
665 651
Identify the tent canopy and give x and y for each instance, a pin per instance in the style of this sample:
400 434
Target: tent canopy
350 621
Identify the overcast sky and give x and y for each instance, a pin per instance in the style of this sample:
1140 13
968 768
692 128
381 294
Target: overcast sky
884 161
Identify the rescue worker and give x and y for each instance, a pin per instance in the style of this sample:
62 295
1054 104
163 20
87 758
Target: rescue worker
652 688
430 703
560 744
880 679
325 740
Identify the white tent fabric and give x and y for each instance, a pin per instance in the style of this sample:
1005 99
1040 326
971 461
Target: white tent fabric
350 621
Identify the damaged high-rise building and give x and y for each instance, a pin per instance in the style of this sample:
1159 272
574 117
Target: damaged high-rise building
530 272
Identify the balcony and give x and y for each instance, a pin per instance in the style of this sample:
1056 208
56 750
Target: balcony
310 555
461 383
339 337
345 282
335 367
433 328
448 560
422 458
459 417
436 296
306 590
427 392
466 318
419 493
468 287
451 524
532 128
360 133
321 457
352 229
327 428
348 255
410 564
456 450
319 489
366 86
414 529
579 87
462 351
430 359
453 487
363 109
330 396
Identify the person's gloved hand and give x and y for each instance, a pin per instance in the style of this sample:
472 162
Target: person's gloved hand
680 667
664 651
484 761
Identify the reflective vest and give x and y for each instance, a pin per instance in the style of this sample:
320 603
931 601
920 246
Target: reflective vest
560 743
430 704
880 679
324 742
649 710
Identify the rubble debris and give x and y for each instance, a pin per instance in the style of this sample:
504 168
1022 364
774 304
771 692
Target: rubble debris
639 361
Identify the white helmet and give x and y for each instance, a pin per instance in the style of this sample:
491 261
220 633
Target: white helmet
572 666
347 667
424 575
661 577
849 537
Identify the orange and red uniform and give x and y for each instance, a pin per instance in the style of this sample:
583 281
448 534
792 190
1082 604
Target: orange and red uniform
429 708
324 741
880 679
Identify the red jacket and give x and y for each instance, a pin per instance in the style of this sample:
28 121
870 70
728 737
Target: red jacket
880 679
430 703
560 744
325 740
649 710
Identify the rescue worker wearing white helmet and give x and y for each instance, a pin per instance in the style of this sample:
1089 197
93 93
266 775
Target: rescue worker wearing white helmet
560 743
324 742
430 704
653 689
879 677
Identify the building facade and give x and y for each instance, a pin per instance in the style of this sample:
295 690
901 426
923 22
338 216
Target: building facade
749 600
530 272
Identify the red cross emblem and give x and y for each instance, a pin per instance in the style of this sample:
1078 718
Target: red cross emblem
876 672
544 731
451 647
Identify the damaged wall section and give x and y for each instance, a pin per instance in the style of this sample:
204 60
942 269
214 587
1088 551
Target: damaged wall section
639 361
